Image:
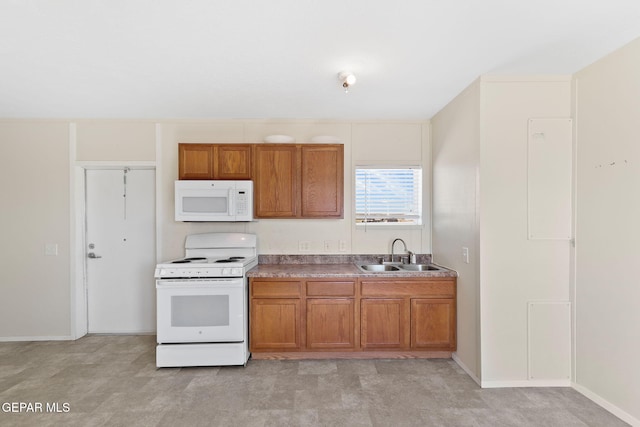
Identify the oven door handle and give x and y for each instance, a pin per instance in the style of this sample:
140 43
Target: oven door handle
210 284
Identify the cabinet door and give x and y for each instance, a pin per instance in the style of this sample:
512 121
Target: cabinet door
195 161
322 181
232 161
276 185
433 323
384 323
275 324
330 323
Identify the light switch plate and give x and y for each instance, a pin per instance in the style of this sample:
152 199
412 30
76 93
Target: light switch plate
465 255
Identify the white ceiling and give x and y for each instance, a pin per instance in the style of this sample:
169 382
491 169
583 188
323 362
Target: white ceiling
280 58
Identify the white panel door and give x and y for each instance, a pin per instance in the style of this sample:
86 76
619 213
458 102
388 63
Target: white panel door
120 248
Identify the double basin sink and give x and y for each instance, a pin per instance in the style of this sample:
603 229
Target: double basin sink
388 268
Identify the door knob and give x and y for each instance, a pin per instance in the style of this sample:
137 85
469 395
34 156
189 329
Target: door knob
92 255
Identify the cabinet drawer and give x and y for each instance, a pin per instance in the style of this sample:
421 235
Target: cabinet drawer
275 289
437 288
337 289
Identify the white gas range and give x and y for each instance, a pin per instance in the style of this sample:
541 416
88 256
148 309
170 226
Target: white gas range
202 302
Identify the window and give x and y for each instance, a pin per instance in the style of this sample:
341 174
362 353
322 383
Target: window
389 195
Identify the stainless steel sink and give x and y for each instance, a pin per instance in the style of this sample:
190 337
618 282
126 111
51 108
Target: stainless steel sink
382 268
378 267
418 267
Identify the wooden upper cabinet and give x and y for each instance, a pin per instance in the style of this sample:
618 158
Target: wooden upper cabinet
214 161
322 181
276 184
195 161
299 181
232 161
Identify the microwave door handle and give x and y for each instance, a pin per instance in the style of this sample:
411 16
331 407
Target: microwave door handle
231 203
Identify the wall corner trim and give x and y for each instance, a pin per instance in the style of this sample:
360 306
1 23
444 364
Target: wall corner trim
465 368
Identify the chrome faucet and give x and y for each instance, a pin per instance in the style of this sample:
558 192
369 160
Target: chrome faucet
405 249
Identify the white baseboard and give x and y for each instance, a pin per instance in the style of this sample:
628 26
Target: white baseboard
108 333
526 383
506 384
465 368
46 338
623 415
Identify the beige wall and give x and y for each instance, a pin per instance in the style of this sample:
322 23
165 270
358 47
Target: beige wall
39 289
607 343
365 143
35 188
113 140
456 161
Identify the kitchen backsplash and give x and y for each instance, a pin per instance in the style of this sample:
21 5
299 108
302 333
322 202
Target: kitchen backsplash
335 259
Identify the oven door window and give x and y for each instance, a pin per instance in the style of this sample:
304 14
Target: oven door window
199 310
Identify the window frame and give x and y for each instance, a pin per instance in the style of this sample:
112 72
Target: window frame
422 218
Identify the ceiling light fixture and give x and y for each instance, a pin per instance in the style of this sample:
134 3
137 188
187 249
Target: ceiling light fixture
347 79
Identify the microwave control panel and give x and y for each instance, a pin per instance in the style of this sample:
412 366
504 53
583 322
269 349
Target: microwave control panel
241 203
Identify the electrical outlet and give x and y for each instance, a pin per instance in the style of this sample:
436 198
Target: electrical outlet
342 246
465 255
51 249
331 246
304 246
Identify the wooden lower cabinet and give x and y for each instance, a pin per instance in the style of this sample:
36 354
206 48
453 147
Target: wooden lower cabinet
433 323
330 323
275 319
362 316
275 324
384 323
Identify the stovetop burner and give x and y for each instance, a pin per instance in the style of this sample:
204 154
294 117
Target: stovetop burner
218 261
187 260
230 259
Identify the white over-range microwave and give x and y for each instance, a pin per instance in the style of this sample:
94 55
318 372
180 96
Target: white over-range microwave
209 201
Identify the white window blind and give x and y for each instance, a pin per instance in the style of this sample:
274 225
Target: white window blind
389 195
